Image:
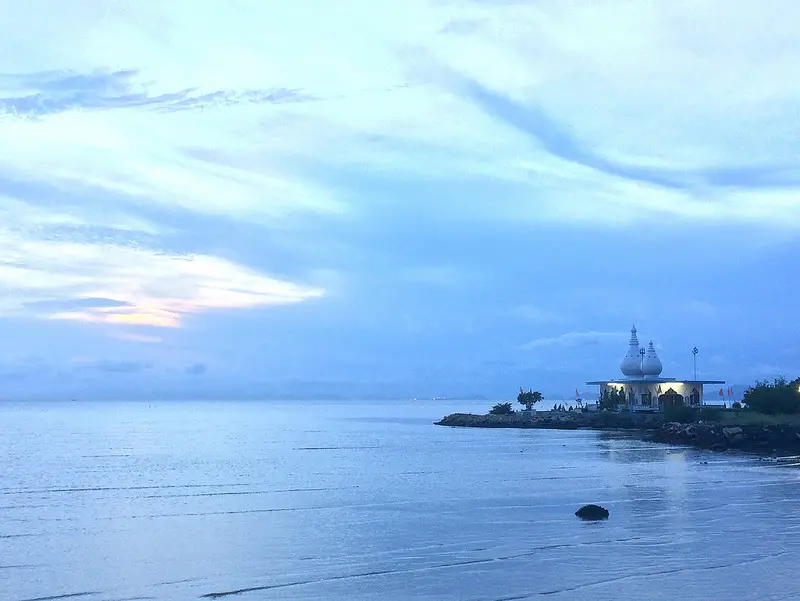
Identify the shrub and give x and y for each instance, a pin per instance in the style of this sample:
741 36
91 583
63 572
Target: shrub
710 413
736 405
501 409
680 413
778 397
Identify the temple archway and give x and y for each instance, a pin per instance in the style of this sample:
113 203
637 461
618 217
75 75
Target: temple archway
670 399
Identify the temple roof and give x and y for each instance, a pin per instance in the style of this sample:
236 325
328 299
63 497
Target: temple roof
649 380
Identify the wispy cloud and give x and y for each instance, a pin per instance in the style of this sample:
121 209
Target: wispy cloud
142 338
534 314
557 140
49 93
109 365
574 340
76 304
119 285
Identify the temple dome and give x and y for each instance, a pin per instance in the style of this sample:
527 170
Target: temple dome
651 366
631 364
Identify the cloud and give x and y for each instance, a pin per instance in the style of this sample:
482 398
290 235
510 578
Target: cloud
463 26
198 369
49 93
138 287
142 338
75 304
698 308
558 140
23 368
534 314
107 365
437 275
574 340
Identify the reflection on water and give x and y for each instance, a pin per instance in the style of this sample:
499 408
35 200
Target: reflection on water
370 501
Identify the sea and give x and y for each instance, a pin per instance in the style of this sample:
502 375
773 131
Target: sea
251 500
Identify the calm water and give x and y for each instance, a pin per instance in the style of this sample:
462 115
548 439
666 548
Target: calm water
352 501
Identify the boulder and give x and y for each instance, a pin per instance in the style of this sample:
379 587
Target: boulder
592 512
731 432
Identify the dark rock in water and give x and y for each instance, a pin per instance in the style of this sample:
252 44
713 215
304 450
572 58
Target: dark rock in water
592 512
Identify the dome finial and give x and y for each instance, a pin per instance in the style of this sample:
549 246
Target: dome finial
651 366
631 363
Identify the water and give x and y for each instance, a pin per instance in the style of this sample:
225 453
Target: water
349 501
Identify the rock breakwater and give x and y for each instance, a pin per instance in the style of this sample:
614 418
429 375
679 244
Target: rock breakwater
759 439
781 439
564 420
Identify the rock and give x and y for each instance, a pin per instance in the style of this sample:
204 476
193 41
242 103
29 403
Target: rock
592 512
731 432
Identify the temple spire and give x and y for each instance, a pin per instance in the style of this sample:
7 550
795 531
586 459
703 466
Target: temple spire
631 363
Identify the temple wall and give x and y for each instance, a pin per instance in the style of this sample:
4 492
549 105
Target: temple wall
684 389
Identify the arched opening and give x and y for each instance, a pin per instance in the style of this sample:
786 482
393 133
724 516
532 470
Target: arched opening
694 398
670 399
647 398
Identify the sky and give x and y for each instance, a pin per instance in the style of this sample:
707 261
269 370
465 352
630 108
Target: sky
395 198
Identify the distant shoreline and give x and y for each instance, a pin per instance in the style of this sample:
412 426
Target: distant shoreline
764 439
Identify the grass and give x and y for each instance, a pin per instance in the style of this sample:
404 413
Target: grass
751 418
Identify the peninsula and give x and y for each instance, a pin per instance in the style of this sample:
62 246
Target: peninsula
721 430
667 410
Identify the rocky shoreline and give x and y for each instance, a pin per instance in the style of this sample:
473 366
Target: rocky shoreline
770 440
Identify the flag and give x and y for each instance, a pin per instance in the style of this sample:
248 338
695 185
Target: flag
576 393
721 393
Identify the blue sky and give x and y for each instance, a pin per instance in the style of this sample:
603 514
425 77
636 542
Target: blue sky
399 198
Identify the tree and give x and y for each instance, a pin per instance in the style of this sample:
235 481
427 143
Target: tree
778 397
610 399
501 409
530 398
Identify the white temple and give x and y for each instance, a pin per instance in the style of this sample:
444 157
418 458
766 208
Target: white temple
644 387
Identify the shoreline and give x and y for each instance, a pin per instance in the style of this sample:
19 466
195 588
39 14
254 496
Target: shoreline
756 439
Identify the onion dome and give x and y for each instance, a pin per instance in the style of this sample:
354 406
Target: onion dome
631 364
651 366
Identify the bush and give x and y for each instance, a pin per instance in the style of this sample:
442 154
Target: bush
736 405
680 413
501 409
710 413
778 397
610 399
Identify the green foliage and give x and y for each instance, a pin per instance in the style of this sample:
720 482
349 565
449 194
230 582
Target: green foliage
736 405
680 413
530 398
501 409
611 398
776 398
711 413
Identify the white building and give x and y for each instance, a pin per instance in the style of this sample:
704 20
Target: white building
644 387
